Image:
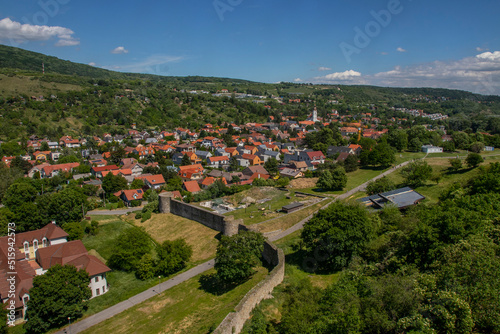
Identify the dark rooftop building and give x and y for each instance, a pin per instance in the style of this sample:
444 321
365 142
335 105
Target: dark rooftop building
402 198
292 207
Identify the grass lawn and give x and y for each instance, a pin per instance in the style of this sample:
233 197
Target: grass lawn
431 190
354 179
277 199
160 227
185 308
291 219
109 229
163 227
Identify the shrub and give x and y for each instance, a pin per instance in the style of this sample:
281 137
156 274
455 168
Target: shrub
145 216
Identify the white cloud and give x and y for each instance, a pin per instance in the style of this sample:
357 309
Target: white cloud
92 64
119 50
384 53
322 68
480 49
297 80
400 49
20 33
340 76
489 55
478 74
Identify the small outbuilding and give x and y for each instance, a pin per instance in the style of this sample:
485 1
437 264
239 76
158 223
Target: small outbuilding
431 149
292 207
402 198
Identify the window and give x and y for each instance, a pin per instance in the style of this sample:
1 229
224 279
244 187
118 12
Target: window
35 244
26 247
44 242
97 292
97 279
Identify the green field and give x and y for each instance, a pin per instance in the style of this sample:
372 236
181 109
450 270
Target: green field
258 213
185 308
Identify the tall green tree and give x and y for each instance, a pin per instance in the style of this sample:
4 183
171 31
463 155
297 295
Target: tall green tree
474 159
416 173
113 183
398 139
380 186
60 293
237 256
271 166
338 233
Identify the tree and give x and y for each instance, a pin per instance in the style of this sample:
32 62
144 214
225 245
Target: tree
21 164
64 206
337 234
416 173
185 160
380 186
19 193
271 166
237 255
325 180
233 164
173 256
129 247
415 145
476 147
455 164
474 159
75 230
117 154
332 179
461 140
398 139
60 293
137 184
112 183
382 154
351 163
449 146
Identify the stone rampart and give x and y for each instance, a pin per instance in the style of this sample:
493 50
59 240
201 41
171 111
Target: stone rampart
234 321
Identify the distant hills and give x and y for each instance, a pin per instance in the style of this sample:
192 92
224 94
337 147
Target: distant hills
16 58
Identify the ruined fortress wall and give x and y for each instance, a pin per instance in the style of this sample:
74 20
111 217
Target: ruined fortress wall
234 321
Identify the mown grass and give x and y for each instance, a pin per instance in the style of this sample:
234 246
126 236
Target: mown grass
257 213
291 219
163 227
185 308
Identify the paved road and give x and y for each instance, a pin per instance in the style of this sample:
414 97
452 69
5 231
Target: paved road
143 296
139 298
112 212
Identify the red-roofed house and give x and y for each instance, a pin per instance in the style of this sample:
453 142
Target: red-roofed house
97 171
35 252
53 170
217 162
153 181
252 159
127 196
192 186
191 172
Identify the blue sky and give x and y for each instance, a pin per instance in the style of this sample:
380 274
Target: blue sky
415 43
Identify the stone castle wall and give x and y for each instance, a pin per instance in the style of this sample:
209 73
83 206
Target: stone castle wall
234 321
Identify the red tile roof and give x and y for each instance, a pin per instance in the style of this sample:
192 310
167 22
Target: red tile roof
192 186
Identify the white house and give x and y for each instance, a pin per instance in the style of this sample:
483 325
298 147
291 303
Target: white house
431 149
